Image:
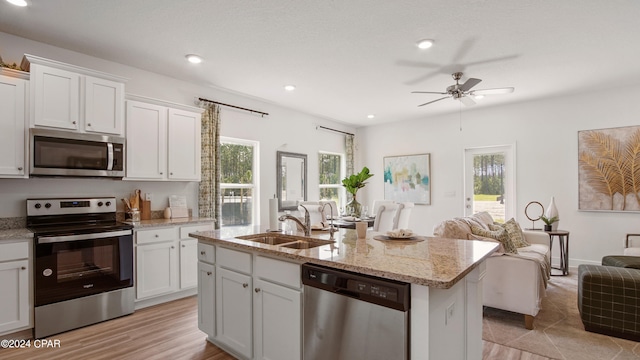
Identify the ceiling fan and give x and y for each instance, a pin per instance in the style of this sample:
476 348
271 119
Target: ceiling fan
463 92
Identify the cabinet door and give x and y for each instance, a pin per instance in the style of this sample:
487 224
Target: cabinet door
55 97
12 126
188 263
104 106
14 281
146 141
277 316
233 311
184 145
156 269
206 298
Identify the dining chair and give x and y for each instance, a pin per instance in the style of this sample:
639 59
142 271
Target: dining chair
377 203
316 214
334 208
385 217
403 215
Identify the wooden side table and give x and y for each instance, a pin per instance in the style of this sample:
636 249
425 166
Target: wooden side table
563 241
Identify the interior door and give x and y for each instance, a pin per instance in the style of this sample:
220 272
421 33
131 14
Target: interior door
489 181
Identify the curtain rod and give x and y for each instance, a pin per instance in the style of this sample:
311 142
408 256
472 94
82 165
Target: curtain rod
334 130
233 106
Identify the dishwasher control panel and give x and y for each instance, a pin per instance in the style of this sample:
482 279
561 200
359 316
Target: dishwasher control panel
389 293
365 287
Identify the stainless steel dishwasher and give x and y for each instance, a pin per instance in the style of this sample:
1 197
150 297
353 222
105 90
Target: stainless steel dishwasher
353 316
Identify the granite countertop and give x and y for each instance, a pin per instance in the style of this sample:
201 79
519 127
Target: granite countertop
169 222
16 234
434 262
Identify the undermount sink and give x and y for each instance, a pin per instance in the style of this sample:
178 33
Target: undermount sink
288 241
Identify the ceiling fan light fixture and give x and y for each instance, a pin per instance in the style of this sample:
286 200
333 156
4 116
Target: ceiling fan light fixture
21 3
424 44
289 87
194 59
478 97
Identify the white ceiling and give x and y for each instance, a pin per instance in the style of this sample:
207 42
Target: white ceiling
351 58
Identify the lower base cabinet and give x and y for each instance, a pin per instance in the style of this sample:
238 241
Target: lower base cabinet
16 307
277 321
257 301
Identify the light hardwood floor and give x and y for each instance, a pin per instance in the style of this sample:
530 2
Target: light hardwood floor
167 331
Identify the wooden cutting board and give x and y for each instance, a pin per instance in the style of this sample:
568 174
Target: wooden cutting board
145 210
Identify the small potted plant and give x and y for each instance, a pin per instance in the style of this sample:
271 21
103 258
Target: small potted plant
353 183
548 222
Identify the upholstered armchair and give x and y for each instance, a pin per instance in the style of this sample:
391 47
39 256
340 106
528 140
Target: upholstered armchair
609 296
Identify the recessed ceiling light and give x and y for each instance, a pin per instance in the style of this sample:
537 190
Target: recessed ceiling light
18 2
289 87
371 116
194 59
425 44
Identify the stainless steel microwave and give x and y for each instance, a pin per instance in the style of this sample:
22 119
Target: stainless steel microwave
63 153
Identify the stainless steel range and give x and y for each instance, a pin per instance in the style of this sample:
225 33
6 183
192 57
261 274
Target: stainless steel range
83 267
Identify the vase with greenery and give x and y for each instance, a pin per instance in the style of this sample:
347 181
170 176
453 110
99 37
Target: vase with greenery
548 222
353 183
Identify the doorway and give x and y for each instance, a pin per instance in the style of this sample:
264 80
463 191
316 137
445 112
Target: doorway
489 181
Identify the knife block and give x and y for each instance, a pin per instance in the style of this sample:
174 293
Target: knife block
145 210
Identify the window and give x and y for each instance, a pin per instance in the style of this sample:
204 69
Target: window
331 171
238 179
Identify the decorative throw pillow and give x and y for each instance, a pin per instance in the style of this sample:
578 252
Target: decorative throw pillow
484 218
515 233
500 235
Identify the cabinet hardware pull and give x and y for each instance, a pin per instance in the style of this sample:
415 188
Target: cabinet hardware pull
208 273
89 124
160 172
20 168
245 285
157 235
23 268
202 252
184 245
256 290
173 247
73 122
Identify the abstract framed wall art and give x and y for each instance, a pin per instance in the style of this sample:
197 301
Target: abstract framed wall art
407 178
609 169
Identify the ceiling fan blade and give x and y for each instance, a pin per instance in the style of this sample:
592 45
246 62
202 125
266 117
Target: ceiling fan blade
467 101
471 82
431 102
496 91
429 92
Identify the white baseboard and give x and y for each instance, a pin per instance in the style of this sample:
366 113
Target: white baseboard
141 304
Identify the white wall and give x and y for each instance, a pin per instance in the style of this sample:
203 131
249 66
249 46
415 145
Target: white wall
546 136
283 129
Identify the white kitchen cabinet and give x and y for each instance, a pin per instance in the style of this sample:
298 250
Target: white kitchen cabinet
156 269
13 92
184 145
258 303
188 263
163 141
277 316
146 141
206 298
69 97
233 311
104 106
15 312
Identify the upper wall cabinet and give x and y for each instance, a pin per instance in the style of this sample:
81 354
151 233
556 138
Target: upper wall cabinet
13 93
163 140
69 97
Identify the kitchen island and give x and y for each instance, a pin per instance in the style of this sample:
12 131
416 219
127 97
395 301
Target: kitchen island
445 277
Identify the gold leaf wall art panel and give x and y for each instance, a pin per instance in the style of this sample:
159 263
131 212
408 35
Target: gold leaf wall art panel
609 169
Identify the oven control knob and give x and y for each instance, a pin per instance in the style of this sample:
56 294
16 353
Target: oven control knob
38 206
47 205
100 203
108 203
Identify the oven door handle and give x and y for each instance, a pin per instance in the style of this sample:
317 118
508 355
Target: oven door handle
64 238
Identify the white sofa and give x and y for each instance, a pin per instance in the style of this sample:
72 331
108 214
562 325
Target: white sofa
513 282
